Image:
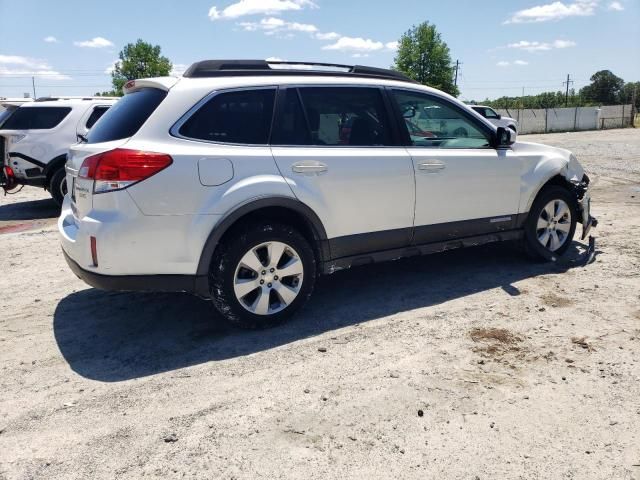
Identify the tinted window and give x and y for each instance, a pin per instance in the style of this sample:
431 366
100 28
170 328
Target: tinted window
126 116
36 118
233 117
435 123
291 125
4 114
346 116
95 116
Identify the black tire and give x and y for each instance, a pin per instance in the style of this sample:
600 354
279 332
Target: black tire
227 257
533 247
58 185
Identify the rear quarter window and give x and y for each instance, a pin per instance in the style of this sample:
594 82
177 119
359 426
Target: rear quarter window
36 118
97 113
241 117
126 116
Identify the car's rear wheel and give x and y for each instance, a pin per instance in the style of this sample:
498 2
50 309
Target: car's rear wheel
262 274
58 185
551 223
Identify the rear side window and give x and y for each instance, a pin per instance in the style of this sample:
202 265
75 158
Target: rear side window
36 118
350 116
95 116
234 117
127 115
291 126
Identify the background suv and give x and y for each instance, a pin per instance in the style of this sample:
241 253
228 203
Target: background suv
35 138
240 182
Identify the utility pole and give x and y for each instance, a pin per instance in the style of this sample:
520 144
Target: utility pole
455 81
33 84
568 82
634 111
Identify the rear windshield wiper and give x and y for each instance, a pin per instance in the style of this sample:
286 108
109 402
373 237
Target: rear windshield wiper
81 138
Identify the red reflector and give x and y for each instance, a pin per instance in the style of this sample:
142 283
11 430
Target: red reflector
8 171
124 165
94 251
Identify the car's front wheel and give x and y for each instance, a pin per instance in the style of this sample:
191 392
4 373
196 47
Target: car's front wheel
551 223
261 274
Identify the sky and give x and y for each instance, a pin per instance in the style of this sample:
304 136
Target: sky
69 46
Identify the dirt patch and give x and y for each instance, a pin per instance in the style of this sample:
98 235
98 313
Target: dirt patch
495 342
553 300
501 335
582 342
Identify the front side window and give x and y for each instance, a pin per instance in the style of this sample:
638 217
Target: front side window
349 116
434 123
490 113
36 118
242 117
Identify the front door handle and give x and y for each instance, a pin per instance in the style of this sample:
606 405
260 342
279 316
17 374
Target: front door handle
309 167
431 166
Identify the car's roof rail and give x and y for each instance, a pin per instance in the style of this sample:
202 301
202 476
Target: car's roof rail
231 68
53 99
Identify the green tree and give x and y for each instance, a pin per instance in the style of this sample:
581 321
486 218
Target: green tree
626 96
605 88
138 60
424 57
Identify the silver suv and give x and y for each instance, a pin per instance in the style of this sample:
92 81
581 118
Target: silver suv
244 180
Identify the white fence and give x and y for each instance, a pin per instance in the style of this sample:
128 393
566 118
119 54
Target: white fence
545 120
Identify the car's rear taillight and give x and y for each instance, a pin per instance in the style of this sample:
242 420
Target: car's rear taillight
120 168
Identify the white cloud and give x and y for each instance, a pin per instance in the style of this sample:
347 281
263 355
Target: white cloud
96 42
274 59
360 55
50 39
178 69
109 70
258 7
16 65
541 46
327 36
273 26
392 45
355 44
554 11
504 63
617 6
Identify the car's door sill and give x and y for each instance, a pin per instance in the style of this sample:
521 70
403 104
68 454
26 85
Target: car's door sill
415 250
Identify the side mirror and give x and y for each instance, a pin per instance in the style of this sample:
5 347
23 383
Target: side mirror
409 112
499 116
505 137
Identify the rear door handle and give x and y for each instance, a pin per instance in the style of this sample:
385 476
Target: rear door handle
431 166
309 167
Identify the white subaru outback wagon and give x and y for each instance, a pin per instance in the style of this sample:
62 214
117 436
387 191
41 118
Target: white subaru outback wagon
244 180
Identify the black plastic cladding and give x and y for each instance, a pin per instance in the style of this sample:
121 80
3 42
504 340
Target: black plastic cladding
229 68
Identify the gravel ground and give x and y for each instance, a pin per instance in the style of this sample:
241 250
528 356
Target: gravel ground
472 364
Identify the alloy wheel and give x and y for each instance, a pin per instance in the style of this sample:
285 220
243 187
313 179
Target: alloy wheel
554 225
268 278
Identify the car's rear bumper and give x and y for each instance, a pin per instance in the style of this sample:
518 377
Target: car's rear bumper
140 283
